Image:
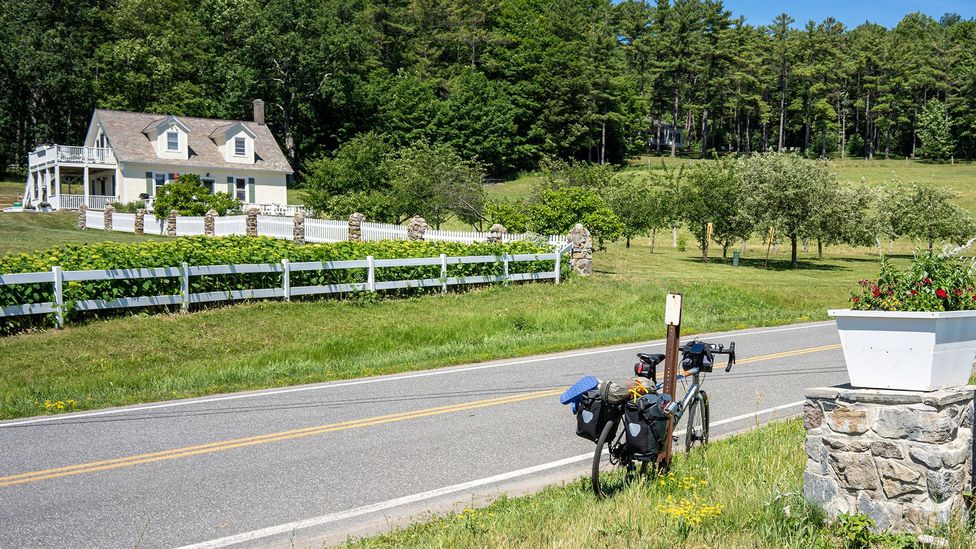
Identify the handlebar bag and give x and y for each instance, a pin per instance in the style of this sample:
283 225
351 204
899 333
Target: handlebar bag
592 413
646 425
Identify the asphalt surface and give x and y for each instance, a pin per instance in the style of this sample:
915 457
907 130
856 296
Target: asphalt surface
311 465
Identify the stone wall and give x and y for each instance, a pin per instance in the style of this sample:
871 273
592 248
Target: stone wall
356 227
582 254
904 458
416 228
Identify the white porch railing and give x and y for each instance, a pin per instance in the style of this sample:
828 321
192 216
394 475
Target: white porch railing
74 201
55 154
280 210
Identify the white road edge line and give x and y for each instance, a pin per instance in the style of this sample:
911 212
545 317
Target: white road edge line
415 498
437 372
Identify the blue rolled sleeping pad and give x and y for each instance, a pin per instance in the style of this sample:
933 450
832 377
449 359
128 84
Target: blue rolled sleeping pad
572 395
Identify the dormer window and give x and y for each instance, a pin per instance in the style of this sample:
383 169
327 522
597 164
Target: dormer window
240 146
172 141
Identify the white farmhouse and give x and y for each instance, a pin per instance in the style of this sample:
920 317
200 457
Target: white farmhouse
128 156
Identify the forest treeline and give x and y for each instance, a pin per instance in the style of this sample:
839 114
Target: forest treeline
505 82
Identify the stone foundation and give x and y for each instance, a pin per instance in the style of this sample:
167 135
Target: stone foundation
904 458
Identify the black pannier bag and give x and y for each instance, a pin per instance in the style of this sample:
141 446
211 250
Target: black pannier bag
592 413
646 425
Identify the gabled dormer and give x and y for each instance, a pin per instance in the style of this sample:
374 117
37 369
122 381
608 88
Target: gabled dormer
170 138
236 142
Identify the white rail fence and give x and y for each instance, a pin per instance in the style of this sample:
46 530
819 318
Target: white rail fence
185 298
316 230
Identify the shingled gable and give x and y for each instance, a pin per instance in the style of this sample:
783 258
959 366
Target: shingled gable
130 143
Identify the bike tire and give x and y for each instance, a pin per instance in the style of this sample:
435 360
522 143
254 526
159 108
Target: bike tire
607 464
696 433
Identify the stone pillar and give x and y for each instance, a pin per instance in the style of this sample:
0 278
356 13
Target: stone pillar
298 231
139 225
496 232
82 217
582 255
251 224
171 223
356 227
416 227
109 210
208 222
903 458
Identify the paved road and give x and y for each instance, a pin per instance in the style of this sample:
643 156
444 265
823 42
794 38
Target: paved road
313 464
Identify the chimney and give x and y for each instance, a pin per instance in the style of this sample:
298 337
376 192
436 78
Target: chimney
259 112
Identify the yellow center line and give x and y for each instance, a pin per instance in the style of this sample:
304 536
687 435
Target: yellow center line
219 446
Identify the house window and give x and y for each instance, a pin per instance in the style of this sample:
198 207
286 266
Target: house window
208 184
240 146
159 179
240 188
172 141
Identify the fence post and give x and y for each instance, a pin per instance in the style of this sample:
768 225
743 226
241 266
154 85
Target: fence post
444 274
107 217
58 296
171 223
82 217
559 255
208 222
298 228
356 227
416 227
185 287
139 224
505 265
251 223
371 274
286 279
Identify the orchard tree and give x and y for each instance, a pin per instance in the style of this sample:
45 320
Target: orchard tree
713 193
634 201
927 213
434 182
557 211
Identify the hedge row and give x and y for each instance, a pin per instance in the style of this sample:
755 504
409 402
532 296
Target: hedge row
238 250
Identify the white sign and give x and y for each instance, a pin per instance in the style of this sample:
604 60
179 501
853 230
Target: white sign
672 310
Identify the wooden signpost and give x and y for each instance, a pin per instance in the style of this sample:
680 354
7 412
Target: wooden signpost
672 317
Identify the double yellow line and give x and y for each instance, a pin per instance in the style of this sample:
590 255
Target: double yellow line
104 465
188 451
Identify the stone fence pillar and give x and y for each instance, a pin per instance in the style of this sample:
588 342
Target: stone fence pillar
416 227
582 255
251 224
82 217
298 230
208 222
903 458
171 223
496 232
356 227
107 216
139 224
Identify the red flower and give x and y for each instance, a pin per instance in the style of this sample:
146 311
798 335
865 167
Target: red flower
855 299
876 292
957 292
942 293
927 281
915 292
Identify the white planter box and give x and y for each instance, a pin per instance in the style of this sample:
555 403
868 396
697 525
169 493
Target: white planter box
907 350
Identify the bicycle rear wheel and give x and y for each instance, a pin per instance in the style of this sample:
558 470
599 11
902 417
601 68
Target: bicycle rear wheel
697 431
613 467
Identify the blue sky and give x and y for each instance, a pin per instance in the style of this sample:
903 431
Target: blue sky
850 12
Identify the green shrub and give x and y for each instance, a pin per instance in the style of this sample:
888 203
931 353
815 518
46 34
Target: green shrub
128 207
237 250
559 210
188 196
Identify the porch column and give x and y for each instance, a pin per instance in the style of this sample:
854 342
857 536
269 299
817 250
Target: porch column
46 189
55 189
85 200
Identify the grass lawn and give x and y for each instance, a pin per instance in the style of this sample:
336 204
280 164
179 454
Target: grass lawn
24 232
264 344
752 481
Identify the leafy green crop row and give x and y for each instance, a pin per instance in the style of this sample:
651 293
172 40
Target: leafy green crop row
236 250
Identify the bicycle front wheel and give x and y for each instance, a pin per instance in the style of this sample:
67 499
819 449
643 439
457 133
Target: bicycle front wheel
697 431
612 465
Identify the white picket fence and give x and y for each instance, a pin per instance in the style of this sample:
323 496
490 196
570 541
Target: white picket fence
316 230
284 291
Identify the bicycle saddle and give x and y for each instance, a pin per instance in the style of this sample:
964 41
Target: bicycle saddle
650 359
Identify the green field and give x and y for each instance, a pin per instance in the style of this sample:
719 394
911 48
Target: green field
25 232
265 344
746 490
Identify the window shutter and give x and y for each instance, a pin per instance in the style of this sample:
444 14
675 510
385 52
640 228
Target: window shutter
149 183
250 190
230 185
171 177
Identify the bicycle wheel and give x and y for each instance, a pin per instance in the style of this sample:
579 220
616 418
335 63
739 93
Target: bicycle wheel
610 459
697 431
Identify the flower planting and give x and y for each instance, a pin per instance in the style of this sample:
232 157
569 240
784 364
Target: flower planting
932 282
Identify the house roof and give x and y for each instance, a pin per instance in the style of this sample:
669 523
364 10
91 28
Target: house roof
166 121
130 144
